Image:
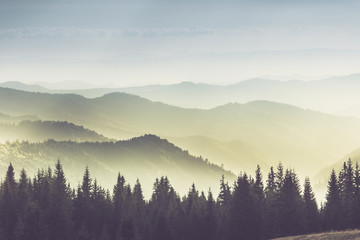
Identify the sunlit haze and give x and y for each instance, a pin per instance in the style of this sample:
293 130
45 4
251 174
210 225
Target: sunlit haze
143 42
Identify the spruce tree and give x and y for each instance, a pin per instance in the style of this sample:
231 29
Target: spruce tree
8 204
291 218
269 211
356 207
347 196
224 203
243 213
57 215
210 221
332 209
311 212
279 178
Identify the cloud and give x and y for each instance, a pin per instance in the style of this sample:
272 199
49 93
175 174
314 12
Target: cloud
71 32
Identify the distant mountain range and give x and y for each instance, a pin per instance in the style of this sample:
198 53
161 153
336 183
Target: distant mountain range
36 131
145 157
242 135
336 95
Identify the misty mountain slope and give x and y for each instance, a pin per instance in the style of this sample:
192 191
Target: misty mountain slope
336 95
303 139
321 178
8 119
324 172
35 131
145 157
24 87
226 153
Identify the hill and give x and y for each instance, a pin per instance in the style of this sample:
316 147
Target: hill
348 235
336 95
303 139
43 130
145 157
4 118
322 177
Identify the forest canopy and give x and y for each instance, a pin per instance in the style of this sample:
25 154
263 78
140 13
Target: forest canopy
46 207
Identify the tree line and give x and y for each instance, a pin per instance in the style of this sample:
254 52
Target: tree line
47 208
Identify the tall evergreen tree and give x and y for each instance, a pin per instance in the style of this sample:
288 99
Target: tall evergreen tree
8 205
332 209
243 214
291 216
210 221
356 207
347 195
270 213
57 216
224 202
312 218
279 177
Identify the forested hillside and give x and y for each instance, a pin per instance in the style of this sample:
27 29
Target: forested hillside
35 131
145 157
270 131
46 207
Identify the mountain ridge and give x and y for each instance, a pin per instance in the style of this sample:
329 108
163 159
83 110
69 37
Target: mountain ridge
277 130
333 95
145 157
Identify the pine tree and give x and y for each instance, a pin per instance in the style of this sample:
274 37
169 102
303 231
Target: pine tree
24 193
118 202
192 212
270 213
291 218
224 203
8 205
279 177
243 213
257 190
210 221
139 210
57 215
86 185
347 196
312 219
356 207
332 209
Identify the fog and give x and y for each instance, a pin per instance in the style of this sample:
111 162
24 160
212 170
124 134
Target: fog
148 42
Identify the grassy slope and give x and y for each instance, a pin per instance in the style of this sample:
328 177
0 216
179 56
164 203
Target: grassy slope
344 235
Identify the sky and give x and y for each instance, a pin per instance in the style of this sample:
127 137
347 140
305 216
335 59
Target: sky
130 43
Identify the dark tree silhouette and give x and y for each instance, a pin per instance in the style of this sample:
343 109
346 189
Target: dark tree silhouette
47 208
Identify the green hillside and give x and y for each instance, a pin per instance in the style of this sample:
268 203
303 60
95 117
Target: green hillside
303 139
145 157
35 131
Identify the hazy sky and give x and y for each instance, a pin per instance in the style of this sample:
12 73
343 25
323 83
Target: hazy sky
158 41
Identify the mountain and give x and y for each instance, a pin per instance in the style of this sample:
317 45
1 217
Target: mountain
145 157
5 118
226 153
25 87
273 132
335 95
35 131
324 172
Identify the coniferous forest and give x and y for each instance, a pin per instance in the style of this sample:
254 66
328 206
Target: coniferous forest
46 207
